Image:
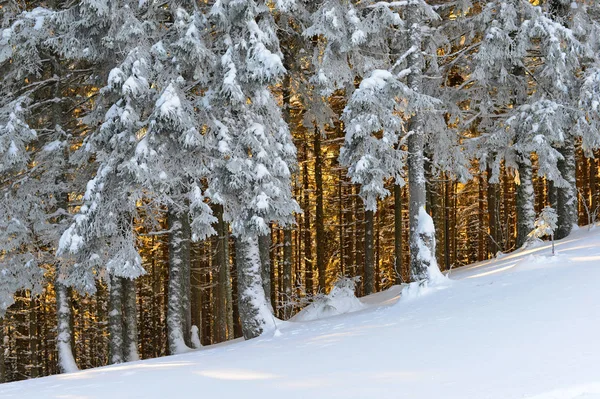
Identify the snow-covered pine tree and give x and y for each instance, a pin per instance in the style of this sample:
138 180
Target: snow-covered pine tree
255 151
521 103
36 197
175 156
101 240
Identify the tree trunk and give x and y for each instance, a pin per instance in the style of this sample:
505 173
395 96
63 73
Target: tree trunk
224 316
130 336
593 186
369 282
115 320
264 249
308 263
175 306
416 171
33 336
481 252
525 203
493 214
186 285
66 360
566 198
287 273
398 233
255 314
2 349
319 214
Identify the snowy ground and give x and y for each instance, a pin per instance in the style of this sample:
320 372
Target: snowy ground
524 326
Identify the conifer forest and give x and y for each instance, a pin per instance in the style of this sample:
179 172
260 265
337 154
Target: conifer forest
179 173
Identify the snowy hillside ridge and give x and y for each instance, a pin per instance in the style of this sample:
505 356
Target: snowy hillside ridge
521 327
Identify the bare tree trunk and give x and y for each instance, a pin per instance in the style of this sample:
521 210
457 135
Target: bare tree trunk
416 168
287 273
398 233
566 199
369 259
33 336
264 249
175 306
237 324
493 214
115 320
66 360
481 252
130 335
319 214
308 262
186 285
255 315
224 314
594 185
525 203
2 349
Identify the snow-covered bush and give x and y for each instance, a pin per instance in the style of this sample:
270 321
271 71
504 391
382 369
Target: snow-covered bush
545 225
340 300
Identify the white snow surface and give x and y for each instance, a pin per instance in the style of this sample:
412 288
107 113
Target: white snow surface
524 326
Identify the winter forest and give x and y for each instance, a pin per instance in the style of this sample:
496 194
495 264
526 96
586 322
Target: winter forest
175 174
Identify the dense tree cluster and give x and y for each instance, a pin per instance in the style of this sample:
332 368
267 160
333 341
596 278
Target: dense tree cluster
177 174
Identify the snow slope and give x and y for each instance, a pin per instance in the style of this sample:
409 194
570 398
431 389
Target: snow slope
524 326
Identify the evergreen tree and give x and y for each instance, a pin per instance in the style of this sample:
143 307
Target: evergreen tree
254 152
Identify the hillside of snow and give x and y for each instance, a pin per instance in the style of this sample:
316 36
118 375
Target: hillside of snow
523 326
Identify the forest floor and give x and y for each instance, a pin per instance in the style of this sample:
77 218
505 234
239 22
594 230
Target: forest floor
526 325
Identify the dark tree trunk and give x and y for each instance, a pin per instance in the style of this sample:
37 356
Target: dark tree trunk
287 273
493 215
566 199
2 349
224 313
264 245
130 335
480 221
398 233
33 337
319 214
308 262
369 286
115 320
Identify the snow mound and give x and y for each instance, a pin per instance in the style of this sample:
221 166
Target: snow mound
340 300
540 261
